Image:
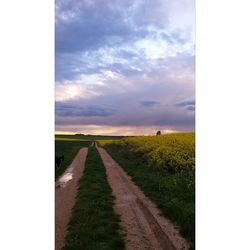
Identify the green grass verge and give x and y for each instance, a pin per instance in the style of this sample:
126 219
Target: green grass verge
69 149
174 194
94 224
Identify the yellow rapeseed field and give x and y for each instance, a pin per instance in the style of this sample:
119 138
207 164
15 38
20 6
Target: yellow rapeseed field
174 152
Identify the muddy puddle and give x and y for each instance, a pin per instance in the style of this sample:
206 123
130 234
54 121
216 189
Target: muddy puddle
65 178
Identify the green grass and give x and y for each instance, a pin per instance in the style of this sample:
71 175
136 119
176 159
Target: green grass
173 193
69 149
94 224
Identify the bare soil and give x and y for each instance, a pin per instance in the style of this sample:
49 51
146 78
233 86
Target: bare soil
65 193
143 226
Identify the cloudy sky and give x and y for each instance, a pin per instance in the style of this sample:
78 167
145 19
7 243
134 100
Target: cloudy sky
125 66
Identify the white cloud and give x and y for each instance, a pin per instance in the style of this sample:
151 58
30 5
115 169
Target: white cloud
112 75
90 79
127 51
182 19
70 91
153 49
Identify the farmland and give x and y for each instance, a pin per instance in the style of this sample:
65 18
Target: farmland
94 224
68 145
69 149
164 168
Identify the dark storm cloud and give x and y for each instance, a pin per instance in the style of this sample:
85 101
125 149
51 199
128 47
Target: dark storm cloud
85 26
124 63
148 104
185 103
172 119
190 107
69 110
88 26
86 35
129 108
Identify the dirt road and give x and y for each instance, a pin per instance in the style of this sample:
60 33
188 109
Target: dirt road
143 226
65 193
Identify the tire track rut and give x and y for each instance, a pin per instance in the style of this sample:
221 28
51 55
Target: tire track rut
66 188
140 218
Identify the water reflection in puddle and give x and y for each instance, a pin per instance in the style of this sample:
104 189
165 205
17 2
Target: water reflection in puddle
65 178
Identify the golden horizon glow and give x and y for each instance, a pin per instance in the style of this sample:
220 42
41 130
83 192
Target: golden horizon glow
116 131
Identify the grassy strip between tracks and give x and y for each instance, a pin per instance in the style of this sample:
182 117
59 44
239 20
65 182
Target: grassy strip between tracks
69 149
94 225
174 194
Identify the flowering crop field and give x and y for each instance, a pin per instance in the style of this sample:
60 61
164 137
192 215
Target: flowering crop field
173 152
163 167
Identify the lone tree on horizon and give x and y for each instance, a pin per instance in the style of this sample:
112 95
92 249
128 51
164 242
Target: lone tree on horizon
158 132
